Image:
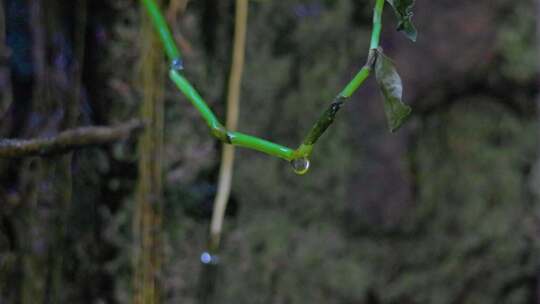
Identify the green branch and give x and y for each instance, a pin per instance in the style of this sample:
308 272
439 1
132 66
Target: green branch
298 157
377 24
219 131
163 30
327 118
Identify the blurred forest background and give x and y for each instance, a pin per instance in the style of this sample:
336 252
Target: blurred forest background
444 211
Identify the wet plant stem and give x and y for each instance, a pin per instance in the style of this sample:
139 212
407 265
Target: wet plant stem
253 142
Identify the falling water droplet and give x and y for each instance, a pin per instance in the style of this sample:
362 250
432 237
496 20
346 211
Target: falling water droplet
300 165
177 64
209 259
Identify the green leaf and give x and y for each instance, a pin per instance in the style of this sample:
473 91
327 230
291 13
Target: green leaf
392 91
404 12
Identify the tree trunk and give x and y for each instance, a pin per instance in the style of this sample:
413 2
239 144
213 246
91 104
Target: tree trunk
56 97
148 217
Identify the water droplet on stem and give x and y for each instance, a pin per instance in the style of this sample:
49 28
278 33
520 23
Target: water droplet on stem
300 165
177 64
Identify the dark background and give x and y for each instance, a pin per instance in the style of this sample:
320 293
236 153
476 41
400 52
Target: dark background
443 211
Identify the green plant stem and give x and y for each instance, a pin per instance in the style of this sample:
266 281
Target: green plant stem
259 144
328 116
377 24
198 102
252 142
219 131
356 82
163 30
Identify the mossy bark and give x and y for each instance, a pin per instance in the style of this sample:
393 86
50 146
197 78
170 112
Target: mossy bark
148 218
56 91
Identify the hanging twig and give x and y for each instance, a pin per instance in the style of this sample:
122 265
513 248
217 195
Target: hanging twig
68 140
233 107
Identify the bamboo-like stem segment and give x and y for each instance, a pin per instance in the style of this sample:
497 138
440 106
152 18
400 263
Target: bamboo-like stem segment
328 116
252 142
163 30
233 108
219 131
377 24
